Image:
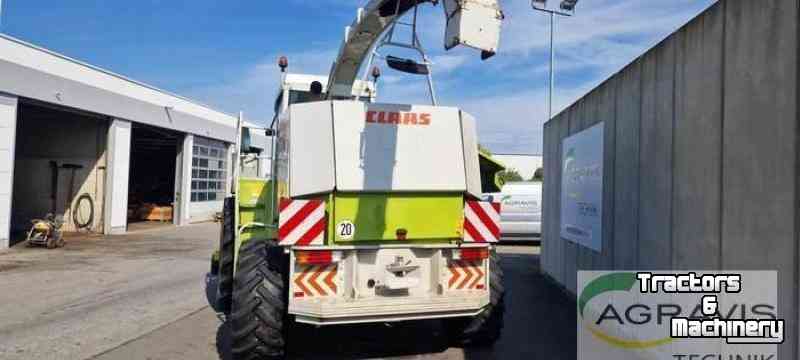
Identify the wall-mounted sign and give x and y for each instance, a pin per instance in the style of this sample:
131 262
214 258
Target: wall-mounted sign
582 188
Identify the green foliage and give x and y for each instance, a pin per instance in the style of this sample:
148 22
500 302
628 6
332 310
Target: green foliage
509 175
538 175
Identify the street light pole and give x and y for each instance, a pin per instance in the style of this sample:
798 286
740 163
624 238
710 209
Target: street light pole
569 7
1 15
552 67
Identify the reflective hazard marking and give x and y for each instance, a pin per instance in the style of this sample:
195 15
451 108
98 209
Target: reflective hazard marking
481 221
301 222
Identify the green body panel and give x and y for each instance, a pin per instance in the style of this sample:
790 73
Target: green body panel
254 206
426 218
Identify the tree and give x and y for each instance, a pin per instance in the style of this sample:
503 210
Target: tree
509 175
538 175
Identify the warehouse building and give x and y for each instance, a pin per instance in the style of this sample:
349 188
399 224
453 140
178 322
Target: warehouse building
695 154
102 150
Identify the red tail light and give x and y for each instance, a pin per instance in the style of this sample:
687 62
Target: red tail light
317 257
471 254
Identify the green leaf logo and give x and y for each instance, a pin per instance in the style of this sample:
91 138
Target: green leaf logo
619 281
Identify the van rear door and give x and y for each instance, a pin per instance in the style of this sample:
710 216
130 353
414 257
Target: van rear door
521 203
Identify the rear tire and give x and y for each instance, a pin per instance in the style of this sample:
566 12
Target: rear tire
227 248
259 318
484 329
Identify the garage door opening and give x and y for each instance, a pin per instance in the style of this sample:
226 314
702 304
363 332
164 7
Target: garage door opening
59 168
151 187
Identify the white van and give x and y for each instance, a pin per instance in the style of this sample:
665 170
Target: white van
520 209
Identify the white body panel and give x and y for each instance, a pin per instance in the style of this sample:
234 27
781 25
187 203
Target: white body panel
360 287
311 165
8 128
374 153
520 209
471 157
354 146
473 23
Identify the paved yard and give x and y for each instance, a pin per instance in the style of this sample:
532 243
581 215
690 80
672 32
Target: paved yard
97 293
540 324
142 296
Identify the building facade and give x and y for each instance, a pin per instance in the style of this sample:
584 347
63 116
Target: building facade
99 149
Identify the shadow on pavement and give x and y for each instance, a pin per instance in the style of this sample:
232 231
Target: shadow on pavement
540 323
540 319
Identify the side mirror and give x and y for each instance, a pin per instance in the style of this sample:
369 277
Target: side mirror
244 140
407 65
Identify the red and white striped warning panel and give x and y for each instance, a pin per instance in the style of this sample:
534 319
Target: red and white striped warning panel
466 275
301 222
315 281
481 221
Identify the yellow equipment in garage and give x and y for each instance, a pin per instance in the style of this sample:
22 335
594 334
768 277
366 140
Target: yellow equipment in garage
46 232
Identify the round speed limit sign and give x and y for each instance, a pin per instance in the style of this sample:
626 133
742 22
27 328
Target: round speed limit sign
345 229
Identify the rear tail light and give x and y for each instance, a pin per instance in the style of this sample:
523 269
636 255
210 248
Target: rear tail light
471 254
317 257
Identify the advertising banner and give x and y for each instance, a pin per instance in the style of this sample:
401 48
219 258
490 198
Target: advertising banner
582 188
684 315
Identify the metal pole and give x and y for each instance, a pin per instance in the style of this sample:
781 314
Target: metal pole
238 155
552 72
430 82
553 14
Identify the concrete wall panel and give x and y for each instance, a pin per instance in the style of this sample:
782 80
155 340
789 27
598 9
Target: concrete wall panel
570 248
698 126
626 177
607 113
545 253
701 157
655 162
562 131
759 155
588 117
550 238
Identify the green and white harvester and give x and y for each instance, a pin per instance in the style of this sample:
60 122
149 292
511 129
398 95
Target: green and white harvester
372 212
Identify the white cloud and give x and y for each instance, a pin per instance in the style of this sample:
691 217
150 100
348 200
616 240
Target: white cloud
254 90
602 37
513 122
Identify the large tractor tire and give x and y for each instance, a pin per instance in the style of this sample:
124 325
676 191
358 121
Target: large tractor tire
485 328
259 317
227 256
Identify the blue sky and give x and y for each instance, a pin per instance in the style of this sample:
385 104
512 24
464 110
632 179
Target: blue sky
223 53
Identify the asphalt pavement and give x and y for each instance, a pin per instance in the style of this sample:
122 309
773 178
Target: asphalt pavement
539 324
143 296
